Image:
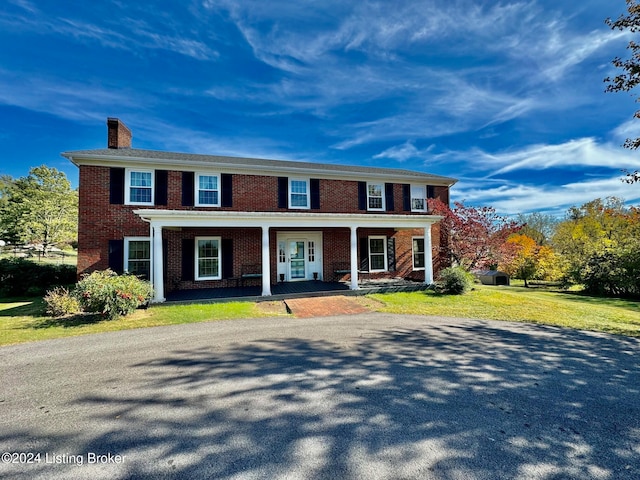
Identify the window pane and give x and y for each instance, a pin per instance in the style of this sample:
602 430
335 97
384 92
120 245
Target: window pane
207 248
298 186
139 268
375 190
375 202
139 250
417 204
208 267
377 262
141 179
208 182
298 200
208 197
140 195
376 245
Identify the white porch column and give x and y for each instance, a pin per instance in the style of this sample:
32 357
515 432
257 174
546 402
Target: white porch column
266 263
354 258
157 267
428 256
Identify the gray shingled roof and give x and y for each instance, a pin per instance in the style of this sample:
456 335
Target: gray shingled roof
215 160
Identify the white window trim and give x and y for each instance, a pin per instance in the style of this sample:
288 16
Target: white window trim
125 267
383 208
197 189
413 254
307 183
424 198
196 258
384 253
127 190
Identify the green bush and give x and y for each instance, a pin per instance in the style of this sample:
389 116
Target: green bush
613 273
111 294
61 302
454 281
20 277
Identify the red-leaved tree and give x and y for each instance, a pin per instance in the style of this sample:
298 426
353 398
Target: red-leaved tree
474 237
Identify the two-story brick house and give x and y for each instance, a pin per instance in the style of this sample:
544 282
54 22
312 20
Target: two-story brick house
190 221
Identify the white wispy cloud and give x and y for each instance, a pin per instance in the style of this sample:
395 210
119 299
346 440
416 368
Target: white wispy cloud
510 199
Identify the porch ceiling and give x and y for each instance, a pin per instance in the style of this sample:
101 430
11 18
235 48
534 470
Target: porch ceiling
197 218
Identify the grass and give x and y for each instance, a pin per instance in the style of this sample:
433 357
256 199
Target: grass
22 320
519 304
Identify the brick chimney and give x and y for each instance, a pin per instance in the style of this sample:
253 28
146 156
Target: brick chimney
119 135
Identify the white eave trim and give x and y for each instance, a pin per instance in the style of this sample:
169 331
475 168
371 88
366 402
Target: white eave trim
191 218
230 167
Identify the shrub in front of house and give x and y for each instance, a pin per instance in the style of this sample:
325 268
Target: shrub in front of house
454 281
61 302
20 277
112 295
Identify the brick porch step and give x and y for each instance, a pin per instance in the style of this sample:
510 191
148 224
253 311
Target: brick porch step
324 306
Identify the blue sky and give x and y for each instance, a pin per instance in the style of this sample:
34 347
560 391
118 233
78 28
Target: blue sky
506 96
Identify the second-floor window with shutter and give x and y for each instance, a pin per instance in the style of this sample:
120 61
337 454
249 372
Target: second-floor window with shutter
207 190
418 198
375 196
139 187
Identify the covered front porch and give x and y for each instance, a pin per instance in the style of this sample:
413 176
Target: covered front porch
283 291
276 229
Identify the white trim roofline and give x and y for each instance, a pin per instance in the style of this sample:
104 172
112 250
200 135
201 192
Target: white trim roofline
197 162
191 218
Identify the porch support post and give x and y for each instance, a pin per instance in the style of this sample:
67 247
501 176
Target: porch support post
266 263
354 258
157 267
428 256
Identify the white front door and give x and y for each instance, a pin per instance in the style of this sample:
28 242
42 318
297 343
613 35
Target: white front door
299 256
297 259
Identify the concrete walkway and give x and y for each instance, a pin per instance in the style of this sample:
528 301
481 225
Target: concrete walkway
369 396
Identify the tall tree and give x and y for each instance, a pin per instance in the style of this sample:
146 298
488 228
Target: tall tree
477 236
539 226
630 78
41 207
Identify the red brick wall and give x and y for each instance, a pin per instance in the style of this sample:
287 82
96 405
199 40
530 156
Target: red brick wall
99 222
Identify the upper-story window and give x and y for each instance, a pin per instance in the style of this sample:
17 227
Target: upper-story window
139 187
207 190
418 198
298 193
375 196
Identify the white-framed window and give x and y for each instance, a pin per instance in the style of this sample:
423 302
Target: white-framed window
418 253
137 256
418 198
207 190
139 187
208 258
378 254
375 196
299 193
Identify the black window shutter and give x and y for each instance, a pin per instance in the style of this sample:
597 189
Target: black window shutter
116 255
314 186
116 186
165 256
431 191
388 196
162 178
187 188
362 195
406 197
283 192
188 259
364 254
227 189
391 254
227 257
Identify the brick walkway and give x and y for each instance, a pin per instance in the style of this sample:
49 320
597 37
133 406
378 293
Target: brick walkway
324 306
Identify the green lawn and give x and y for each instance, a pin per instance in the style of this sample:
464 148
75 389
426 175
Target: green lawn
23 320
519 304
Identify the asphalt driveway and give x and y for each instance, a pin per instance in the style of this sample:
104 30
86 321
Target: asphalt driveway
369 396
